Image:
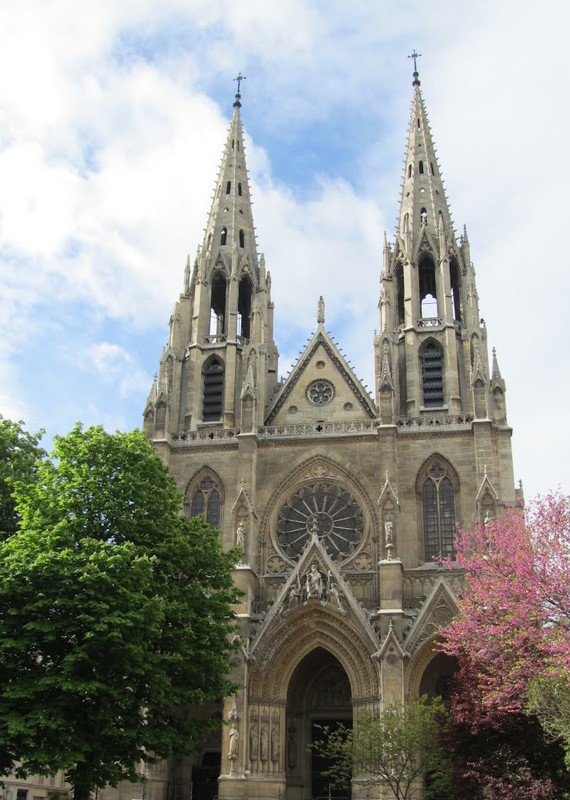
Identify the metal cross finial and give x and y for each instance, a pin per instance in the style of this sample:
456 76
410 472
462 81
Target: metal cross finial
239 78
415 55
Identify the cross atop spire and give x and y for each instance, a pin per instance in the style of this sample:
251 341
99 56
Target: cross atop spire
415 55
239 78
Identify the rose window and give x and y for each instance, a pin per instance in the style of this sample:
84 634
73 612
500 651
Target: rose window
319 393
325 510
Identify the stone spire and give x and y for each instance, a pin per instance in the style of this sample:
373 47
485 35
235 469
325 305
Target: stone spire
423 204
230 223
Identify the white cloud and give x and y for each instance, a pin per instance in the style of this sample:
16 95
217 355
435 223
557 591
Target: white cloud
109 144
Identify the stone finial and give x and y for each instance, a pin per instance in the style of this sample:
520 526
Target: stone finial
321 311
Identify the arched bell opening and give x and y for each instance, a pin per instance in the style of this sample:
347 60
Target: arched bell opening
319 695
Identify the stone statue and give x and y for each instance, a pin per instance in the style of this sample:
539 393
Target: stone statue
240 535
234 742
314 582
389 538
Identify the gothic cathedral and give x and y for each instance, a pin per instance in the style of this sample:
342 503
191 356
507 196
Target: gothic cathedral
340 501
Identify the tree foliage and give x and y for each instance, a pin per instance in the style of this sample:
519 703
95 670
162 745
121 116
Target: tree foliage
114 615
396 749
20 453
512 635
500 754
514 616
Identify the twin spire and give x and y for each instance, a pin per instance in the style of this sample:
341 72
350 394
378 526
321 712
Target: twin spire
230 226
423 205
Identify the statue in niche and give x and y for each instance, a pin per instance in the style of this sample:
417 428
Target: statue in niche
264 742
389 538
240 535
292 747
234 742
253 740
275 748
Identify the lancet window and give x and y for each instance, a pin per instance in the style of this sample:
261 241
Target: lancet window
205 500
438 506
244 307
218 305
428 287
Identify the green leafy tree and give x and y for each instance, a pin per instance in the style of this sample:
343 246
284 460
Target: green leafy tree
399 749
20 453
549 700
114 615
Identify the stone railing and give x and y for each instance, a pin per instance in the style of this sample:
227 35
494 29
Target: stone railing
428 322
318 428
217 433
205 435
221 338
435 422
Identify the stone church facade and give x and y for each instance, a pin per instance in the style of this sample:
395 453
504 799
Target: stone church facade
339 500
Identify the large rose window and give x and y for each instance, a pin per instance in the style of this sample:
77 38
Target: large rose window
326 510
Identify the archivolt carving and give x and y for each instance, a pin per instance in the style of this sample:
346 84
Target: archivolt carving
295 638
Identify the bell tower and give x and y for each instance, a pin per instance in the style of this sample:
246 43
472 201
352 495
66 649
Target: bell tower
219 367
431 355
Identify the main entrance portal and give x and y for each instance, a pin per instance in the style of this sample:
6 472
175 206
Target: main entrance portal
319 695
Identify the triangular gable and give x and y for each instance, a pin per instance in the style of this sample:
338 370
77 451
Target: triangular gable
300 592
390 644
424 242
437 611
244 497
321 361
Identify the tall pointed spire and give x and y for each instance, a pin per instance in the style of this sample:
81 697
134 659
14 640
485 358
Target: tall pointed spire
423 205
230 224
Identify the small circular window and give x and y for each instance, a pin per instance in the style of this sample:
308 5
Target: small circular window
319 393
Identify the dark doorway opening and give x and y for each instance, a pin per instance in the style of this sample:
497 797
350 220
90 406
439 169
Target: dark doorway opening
205 777
321 784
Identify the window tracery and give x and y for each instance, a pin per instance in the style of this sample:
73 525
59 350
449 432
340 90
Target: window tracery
438 506
205 500
326 510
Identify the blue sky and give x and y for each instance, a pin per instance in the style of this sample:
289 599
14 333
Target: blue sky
113 116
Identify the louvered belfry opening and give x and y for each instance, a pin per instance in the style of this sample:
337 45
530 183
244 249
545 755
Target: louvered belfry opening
432 375
213 390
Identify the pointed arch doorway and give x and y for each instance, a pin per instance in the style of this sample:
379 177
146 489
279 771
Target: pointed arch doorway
318 694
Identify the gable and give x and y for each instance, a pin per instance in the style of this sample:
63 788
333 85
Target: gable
322 387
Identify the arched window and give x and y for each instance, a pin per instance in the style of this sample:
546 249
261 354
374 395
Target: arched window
432 169
399 272
455 277
245 293
428 287
205 500
228 187
218 305
239 189
421 167
213 390
241 239
438 506
431 357
409 170
224 236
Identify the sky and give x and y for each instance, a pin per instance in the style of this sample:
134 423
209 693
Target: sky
113 117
